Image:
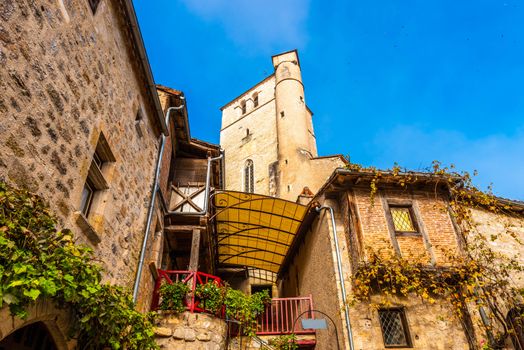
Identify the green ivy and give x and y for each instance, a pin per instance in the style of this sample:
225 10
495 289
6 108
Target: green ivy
172 296
284 342
38 261
212 296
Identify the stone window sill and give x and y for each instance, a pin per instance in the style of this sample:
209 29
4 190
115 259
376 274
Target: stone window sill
87 228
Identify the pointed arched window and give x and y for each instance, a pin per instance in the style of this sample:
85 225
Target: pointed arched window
249 177
255 100
243 107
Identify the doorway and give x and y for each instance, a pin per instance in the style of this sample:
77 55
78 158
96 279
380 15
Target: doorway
35 336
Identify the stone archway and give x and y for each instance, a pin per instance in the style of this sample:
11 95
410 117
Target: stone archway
35 336
44 319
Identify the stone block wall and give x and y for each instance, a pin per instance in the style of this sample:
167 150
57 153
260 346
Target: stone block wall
260 145
190 331
67 75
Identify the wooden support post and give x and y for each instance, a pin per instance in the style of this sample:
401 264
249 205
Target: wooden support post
195 249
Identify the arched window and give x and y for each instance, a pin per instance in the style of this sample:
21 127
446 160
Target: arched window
255 100
243 107
249 177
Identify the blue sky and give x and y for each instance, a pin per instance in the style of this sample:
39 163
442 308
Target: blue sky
389 81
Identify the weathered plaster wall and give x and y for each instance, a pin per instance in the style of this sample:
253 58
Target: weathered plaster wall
313 272
431 327
67 76
501 231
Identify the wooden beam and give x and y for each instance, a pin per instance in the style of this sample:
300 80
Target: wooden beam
195 250
186 228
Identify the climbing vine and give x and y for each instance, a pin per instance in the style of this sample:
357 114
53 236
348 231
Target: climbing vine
39 261
476 277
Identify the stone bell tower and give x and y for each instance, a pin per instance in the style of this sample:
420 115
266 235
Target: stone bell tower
267 134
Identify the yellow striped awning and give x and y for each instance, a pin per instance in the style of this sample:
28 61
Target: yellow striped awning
254 230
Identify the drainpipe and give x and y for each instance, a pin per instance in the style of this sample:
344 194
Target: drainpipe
340 273
156 186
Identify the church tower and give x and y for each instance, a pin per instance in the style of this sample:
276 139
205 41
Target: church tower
268 139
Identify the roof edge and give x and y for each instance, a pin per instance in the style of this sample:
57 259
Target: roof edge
137 36
246 91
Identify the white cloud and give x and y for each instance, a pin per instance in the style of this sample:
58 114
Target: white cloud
499 158
260 24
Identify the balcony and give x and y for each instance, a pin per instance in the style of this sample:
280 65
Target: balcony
282 316
192 279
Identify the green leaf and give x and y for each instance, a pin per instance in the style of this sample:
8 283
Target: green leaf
32 293
9 298
15 284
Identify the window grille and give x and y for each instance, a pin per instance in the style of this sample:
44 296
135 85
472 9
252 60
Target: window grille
394 328
402 219
249 180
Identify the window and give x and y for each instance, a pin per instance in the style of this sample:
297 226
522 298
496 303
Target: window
255 100
256 288
87 198
249 181
93 4
394 328
139 122
243 107
96 176
403 219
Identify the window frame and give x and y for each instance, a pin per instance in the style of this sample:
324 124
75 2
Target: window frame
99 171
85 206
412 216
249 176
405 328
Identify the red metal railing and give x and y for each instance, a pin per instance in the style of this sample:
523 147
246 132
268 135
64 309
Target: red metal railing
191 278
278 317
282 313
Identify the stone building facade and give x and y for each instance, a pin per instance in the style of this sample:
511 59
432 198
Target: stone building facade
273 116
364 226
268 138
81 123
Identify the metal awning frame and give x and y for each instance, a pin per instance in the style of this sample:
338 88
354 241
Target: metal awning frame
282 219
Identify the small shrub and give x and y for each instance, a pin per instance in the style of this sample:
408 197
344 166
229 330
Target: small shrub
172 296
212 296
284 342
